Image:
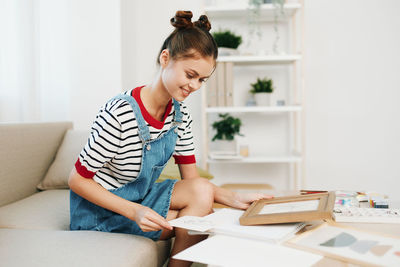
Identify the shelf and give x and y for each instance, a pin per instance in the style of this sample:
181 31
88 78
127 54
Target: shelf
271 109
267 159
266 10
282 152
267 59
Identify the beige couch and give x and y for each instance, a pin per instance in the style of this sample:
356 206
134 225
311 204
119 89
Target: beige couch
34 224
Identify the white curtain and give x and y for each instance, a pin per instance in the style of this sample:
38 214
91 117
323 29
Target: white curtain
59 60
18 61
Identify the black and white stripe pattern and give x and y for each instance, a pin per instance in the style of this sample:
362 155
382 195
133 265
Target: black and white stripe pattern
114 149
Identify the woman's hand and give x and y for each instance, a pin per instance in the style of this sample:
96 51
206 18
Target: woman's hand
244 200
148 220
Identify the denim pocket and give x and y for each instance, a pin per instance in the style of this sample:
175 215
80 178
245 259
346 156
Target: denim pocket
156 172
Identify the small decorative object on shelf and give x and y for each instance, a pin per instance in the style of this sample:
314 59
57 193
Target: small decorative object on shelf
280 102
244 150
227 42
262 90
227 128
250 101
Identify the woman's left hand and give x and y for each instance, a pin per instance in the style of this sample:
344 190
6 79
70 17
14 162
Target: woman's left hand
244 200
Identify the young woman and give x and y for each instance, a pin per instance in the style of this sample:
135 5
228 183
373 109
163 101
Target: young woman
113 185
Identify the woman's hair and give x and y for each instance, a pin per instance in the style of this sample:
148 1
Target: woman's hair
190 39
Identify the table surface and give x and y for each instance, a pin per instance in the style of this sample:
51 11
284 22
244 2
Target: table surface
379 228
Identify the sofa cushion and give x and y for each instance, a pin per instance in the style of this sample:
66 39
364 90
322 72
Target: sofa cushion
171 171
67 154
27 150
38 248
43 210
58 173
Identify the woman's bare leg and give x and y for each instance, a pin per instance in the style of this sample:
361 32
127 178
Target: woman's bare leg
189 197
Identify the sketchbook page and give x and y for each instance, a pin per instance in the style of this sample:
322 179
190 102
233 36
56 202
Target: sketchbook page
226 222
193 223
231 251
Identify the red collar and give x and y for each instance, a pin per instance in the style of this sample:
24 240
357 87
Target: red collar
146 115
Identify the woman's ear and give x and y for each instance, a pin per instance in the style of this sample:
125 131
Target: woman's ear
164 58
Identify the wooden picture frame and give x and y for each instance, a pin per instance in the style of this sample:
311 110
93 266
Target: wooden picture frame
290 209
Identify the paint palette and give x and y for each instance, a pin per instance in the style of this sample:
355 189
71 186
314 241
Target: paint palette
366 215
351 245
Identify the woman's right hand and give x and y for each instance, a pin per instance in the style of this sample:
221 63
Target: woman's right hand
148 220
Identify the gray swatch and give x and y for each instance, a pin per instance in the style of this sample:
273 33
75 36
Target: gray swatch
363 246
341 240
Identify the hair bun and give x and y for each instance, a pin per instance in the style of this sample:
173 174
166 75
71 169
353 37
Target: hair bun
182 19
203 23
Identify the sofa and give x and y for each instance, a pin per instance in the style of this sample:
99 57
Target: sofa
35 160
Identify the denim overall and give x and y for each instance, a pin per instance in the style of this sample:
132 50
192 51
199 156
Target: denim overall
157 196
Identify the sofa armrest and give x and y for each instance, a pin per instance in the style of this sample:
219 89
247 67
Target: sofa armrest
26 152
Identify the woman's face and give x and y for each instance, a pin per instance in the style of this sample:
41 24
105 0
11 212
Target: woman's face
184 76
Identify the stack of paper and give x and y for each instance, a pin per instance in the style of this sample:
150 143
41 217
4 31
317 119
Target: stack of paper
226 222
235 245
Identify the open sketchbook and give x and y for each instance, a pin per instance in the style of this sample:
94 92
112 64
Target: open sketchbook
226 222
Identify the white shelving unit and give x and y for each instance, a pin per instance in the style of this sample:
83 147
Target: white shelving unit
240 10
285 122
255 109
271 159
270 59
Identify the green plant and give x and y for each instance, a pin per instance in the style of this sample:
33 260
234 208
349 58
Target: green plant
262 86
254 15
227 39
227 127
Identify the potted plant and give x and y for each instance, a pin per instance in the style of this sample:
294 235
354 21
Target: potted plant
226 130
254 16
262 90
227 42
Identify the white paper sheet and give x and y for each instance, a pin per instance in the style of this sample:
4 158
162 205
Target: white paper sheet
193 223
226 221
222 250
298 206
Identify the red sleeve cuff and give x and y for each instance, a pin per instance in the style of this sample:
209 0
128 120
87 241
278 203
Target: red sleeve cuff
83 171
184 159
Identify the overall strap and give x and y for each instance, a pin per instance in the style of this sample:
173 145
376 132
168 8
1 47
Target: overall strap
178 113
144 132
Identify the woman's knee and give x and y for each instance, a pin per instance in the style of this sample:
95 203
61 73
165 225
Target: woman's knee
202 190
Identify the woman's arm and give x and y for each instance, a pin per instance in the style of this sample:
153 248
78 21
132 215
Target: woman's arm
146 218
222 195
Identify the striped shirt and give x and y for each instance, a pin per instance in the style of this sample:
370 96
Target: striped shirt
113 154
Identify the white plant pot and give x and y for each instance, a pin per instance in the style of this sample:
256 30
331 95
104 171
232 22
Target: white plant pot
225 147
262 99
225 51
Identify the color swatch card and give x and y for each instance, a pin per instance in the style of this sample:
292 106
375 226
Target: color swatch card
351 245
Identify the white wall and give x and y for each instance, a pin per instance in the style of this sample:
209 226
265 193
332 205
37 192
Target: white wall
95 57
352 94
